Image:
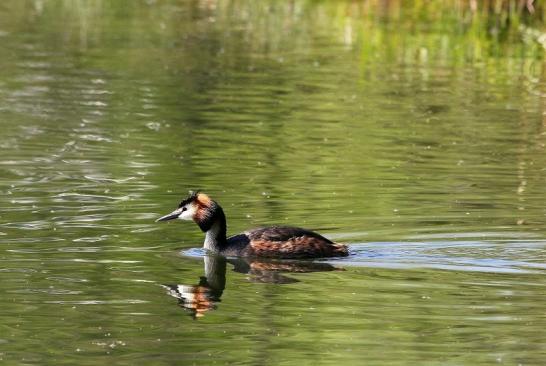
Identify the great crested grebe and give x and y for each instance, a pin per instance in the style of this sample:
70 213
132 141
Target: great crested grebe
272 242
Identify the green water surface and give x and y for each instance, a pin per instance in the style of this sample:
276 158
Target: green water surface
420 145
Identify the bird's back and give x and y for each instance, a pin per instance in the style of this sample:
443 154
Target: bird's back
283 242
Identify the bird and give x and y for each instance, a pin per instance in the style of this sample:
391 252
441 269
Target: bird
283 242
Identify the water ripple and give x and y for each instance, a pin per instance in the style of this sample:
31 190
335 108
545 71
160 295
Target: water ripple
81 197
457 256
28 225
97 302
82 250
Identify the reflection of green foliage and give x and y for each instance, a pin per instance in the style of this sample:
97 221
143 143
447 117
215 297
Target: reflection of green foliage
292 97
372 120
466 28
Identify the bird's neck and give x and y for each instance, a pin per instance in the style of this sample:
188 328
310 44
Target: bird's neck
215 230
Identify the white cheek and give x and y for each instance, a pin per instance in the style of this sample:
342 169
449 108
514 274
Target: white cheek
188 214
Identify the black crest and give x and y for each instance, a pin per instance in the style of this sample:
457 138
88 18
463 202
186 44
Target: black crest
192 197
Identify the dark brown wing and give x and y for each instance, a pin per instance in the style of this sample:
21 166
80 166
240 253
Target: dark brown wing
290 242
283 233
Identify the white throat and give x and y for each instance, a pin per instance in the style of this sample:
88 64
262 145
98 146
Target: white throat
211 237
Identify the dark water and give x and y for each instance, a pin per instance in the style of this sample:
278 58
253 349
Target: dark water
429 163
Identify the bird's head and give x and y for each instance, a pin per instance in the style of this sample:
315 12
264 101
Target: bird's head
197 207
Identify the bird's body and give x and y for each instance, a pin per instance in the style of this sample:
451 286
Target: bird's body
282 242
270 242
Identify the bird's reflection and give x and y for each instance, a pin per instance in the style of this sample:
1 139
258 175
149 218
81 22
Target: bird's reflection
202 297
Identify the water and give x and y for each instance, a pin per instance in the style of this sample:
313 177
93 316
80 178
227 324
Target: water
426 159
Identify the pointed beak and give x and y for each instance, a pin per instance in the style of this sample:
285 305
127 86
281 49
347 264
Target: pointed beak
171 216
